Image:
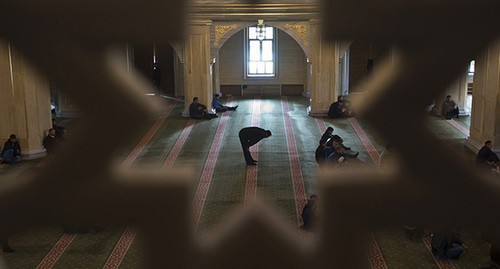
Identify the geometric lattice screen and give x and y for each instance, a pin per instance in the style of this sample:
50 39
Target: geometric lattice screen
74 44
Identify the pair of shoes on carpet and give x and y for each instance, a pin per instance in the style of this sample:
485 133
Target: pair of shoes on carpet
233 108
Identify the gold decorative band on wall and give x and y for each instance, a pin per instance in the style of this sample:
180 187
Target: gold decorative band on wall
299 29
221 30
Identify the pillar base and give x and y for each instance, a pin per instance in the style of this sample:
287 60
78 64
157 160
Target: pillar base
33 154
473 145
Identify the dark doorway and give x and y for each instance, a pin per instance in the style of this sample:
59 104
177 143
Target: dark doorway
161 56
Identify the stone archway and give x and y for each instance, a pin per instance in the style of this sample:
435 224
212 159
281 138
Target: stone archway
291 64
298 30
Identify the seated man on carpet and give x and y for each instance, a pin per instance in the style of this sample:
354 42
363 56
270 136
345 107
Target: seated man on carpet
339 150
330 144
337 144
446 244
322 151
50 142
450 108
218 106
340 109
309 213
199 111
486 158
11 152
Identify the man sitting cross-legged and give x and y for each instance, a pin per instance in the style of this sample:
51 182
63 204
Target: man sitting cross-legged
219 107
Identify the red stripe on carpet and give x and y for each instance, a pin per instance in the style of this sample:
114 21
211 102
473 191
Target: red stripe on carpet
116 257
365 140
376 258
293 153
56 252
251 180
147 137
442 264
321 125
375 157
459 127
208 170
176 149
128 236
375 254
58 249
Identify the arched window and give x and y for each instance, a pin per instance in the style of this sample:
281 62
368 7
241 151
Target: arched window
260 57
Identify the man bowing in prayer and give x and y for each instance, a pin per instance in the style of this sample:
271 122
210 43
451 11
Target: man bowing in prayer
250 136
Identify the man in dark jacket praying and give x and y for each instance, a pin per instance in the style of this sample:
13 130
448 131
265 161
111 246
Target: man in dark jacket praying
250 136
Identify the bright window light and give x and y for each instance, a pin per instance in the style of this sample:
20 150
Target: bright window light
261 51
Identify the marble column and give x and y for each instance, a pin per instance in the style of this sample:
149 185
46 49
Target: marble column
66 108
485 116
216 73
307 90
24 102
197 76
324 64
179 76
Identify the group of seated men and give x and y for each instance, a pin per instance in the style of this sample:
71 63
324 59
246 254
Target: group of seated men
331 149
342 108
200 111
11 151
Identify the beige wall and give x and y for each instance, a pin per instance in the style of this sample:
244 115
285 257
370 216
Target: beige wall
291 62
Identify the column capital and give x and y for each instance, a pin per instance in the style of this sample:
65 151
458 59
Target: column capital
314 21
200 22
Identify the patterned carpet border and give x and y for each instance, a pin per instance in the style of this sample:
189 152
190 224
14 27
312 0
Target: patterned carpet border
377 260
442 264
459 127
58 249
128 236
251 179
208 170
56 252
121 248
293 153
365 140
181 140
147 137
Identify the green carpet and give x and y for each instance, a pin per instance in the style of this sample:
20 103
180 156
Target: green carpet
226 192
